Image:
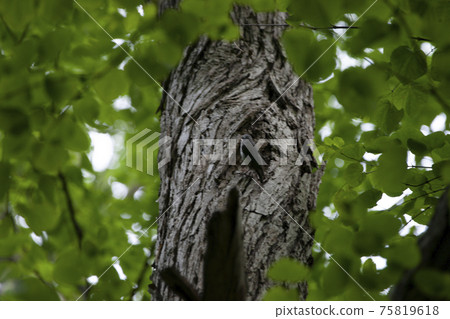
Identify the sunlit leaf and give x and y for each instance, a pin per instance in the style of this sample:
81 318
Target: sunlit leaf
281 294
288 270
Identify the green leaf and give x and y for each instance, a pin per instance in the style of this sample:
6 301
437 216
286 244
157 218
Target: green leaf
440 63
353 151
422 216
103 291
73 136
387 117
56 11
339 234
383 225
417 147
375 231
61 87
434 140
370 197
112 85
334 278
215 18
25 53
441 153
128 4
312 59
13 121
40 214
371 34
403 253
359 89
415 100
182 27
6 228
266 6
392 169
69 268
17 14
372 141
53 43
414 177
90 6
156 59
354 175
29 289
281 294
317 13
335 141
442 169
369 267
49 185
87 109
49 157
370 277
290 270
407 64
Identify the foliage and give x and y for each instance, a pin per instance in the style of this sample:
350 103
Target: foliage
373 127
61 76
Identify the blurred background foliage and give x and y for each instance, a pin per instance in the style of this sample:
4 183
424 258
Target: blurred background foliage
68 89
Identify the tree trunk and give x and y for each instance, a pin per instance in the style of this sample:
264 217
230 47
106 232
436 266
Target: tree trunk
220 89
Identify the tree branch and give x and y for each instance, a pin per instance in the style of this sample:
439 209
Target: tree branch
424 183
76 226
411 199
412 218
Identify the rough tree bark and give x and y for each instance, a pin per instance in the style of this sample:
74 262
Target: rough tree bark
225 87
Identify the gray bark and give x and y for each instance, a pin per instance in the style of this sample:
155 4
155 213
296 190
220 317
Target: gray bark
225 87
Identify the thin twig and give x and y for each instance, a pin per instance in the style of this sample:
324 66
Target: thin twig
333 27
71 208
421 184
48 284
423 195
13 259
421 39
431 51
412 218
367 60
265 24
411 199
